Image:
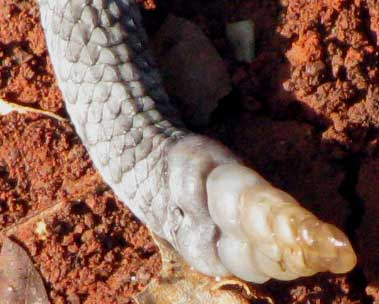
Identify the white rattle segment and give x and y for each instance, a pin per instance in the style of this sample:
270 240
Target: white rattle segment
266 234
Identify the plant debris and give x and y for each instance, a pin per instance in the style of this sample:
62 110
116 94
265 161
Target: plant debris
20 282
178 283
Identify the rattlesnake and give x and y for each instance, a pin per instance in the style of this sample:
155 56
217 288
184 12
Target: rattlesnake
221 216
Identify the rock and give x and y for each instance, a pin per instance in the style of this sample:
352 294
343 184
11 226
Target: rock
241 35
192 70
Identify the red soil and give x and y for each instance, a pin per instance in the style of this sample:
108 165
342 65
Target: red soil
309 104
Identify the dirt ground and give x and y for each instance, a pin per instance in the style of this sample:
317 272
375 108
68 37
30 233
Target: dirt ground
304 113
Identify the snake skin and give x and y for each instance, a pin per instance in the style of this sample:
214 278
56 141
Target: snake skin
115 99
110 87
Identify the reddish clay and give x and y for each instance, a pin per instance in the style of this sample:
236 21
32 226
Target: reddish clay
86 244
26 74
320 65
312 89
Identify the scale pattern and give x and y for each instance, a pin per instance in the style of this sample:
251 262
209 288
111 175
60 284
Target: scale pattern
114 97
116 101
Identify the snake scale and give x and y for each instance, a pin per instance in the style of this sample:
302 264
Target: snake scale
173 180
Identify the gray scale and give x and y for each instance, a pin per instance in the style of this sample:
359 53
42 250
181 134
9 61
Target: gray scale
115 99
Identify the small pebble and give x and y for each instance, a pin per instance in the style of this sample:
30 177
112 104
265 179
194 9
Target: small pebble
241 35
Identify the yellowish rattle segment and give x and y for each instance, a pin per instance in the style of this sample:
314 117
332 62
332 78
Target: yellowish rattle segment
266 234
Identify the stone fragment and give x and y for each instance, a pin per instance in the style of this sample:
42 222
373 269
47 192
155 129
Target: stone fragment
192 69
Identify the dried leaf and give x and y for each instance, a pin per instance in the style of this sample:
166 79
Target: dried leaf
20 282
179 284
7 107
